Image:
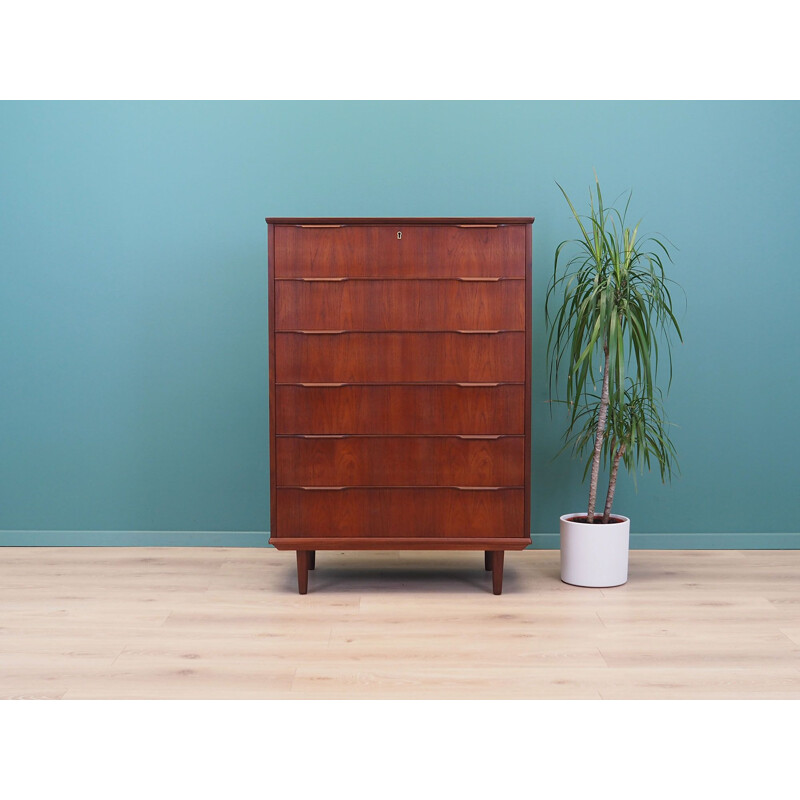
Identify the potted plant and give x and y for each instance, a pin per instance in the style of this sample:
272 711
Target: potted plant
608 310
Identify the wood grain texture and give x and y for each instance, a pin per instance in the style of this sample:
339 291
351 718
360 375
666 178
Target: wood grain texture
400 461
387 512
405 542
399 357
271 354
497 558
349 221
424 251
528 370
406 409
303 563
202 623
400 305
404 328
400 409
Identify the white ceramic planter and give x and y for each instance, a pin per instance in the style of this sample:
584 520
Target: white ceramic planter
594 555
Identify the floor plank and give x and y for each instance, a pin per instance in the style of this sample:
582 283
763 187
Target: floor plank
228 623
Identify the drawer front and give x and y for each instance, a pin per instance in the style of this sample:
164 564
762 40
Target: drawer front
400 513
423 251
400 305
400 409
400 461
416 357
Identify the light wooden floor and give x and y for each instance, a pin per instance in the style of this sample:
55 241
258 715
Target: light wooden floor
228 623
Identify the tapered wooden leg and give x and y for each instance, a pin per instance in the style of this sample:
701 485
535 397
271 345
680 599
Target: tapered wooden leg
487 560
497 571
312 559
302 571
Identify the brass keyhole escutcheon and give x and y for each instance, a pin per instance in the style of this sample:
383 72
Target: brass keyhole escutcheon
399 234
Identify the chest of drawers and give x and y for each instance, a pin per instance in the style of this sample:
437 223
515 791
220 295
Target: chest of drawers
399 386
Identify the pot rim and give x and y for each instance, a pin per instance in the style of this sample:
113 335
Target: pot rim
568 518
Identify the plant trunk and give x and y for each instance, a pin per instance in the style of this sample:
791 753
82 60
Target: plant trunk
612 484
598 439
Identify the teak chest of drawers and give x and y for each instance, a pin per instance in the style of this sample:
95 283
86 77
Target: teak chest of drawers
399 386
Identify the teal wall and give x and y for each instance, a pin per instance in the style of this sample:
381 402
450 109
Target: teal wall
133 351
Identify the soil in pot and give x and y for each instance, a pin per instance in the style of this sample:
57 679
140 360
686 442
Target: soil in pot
598 520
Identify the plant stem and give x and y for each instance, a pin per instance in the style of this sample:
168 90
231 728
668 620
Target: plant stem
598 439
612 484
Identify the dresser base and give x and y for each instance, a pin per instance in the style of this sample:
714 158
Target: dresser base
494 551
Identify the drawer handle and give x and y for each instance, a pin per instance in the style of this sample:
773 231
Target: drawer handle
481 225
321 436
323 280
478 280
322 488
320 226
319 333
471 385
477 331
465 436
477 488
321 385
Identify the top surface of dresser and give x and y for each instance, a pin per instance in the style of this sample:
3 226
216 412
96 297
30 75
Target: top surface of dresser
400 220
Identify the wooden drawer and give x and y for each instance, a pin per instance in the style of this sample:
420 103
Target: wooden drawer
401 409
400 461
424 251
357 512
416 357
400 305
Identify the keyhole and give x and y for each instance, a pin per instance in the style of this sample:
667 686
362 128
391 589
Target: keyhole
399 234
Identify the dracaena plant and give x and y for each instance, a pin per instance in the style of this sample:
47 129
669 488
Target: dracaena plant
637 434
608 308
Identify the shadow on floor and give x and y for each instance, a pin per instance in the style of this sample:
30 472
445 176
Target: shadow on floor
427 577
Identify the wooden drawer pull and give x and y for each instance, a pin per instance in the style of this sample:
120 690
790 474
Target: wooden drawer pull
477 488
478 436
321 385
478 280
472 385
322 488
477 331
320 333
323 280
